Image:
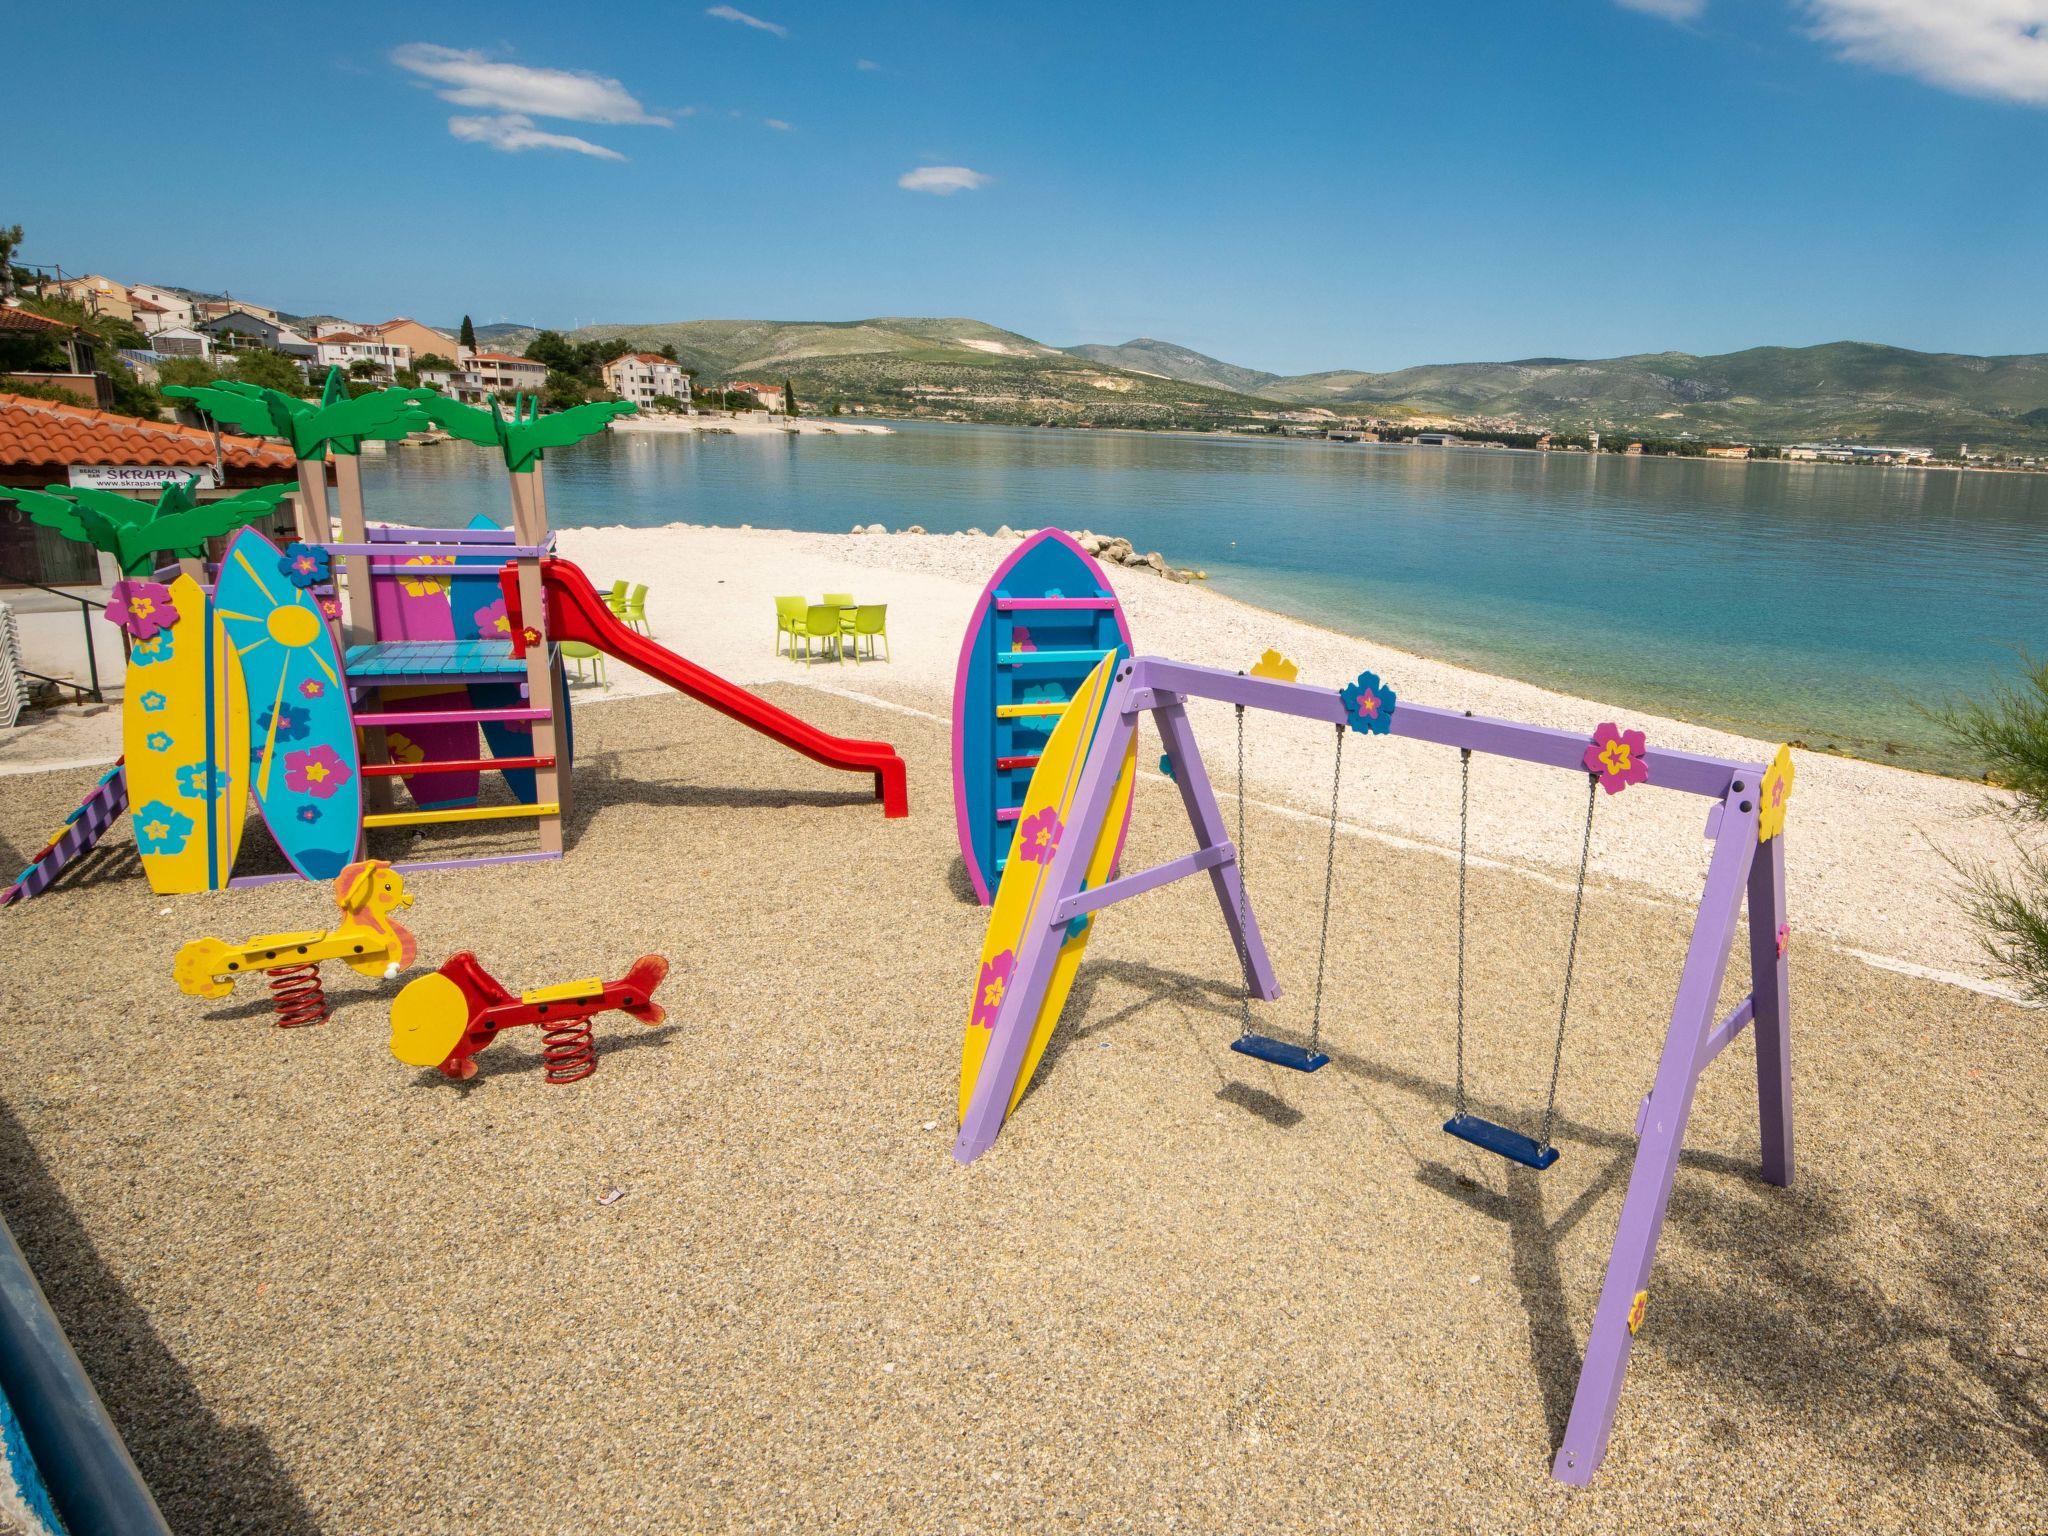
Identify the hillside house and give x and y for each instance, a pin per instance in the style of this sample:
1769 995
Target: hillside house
343 349
497 373
644 377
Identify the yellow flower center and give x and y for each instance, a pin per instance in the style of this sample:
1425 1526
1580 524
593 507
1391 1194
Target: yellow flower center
1614 757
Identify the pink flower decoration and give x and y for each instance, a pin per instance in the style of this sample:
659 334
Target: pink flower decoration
991 989
316 771
1039 837
1616 757
141 607
1020 640
1784 939
330 606
491 620
313 687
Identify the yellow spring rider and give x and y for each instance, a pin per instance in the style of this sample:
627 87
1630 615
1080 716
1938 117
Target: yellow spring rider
369 940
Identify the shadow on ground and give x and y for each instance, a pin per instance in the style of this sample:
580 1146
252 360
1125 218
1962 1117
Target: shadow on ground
192 1462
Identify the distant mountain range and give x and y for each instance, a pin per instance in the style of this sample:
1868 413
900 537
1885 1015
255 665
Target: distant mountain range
1840 391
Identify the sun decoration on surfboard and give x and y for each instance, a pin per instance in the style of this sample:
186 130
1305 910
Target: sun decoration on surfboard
293 623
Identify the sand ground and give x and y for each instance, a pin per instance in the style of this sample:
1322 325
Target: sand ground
321 1291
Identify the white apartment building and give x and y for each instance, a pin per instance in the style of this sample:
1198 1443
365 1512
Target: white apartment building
644 377
497 373
339 349
159 309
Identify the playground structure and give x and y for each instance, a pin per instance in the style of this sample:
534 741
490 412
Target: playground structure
1039 627
1745 821
444 1019
407 650
369 940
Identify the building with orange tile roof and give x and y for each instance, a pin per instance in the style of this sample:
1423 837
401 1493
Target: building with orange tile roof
44 443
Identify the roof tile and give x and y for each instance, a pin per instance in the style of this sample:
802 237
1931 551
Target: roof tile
38 432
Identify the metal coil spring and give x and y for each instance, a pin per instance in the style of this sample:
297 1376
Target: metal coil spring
569 1050
296 993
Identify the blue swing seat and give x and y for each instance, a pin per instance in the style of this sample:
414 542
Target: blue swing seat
1295 1058
1501 1141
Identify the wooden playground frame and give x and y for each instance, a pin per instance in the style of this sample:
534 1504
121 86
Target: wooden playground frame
1744 863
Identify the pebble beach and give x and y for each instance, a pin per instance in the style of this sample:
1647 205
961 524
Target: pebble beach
735 1282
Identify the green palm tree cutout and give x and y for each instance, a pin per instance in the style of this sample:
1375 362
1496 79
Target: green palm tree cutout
134 532
337 421
526 435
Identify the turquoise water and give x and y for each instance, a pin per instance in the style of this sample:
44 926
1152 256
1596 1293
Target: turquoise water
1805 602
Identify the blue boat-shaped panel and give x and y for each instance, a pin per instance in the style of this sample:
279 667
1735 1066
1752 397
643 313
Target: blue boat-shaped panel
1043 621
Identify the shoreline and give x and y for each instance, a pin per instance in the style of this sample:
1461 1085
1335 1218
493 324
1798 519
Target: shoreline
1870 846
752 423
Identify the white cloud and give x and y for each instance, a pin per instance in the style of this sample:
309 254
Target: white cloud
942 180
1670 10
730 13
865 64
513 132
1995 48
469 78
777 124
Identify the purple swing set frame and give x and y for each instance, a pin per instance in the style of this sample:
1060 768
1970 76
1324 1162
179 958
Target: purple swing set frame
1743 863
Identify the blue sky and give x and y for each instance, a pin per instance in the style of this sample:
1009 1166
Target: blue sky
1291 188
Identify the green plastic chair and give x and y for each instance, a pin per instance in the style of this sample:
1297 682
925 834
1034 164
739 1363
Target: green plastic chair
636 610
616 599
843 601
871 623
576 652
789 620
821 624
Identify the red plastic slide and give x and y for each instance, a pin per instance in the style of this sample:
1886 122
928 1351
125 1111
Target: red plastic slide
576 612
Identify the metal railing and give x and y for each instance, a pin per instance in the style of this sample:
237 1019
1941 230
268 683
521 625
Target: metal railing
86 606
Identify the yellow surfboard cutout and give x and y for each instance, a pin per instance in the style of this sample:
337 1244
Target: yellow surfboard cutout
164 740
1023 890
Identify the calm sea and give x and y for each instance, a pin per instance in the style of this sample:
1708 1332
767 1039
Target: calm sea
1806 602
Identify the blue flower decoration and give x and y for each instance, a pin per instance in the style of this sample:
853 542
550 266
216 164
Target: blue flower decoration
305 564
159 741
1369 704
147 653
159 829
153 702
292 724
1166 764
192 782
309 813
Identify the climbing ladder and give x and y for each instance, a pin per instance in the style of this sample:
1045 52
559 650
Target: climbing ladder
99 810
486 668
1065 637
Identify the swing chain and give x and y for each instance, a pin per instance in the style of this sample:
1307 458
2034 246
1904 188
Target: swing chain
1464 805
1571 955
1315 1028
1244 959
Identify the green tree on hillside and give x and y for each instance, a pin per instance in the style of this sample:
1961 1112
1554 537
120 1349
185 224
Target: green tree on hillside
270 370
467 336
2009 730
788 397
554 349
